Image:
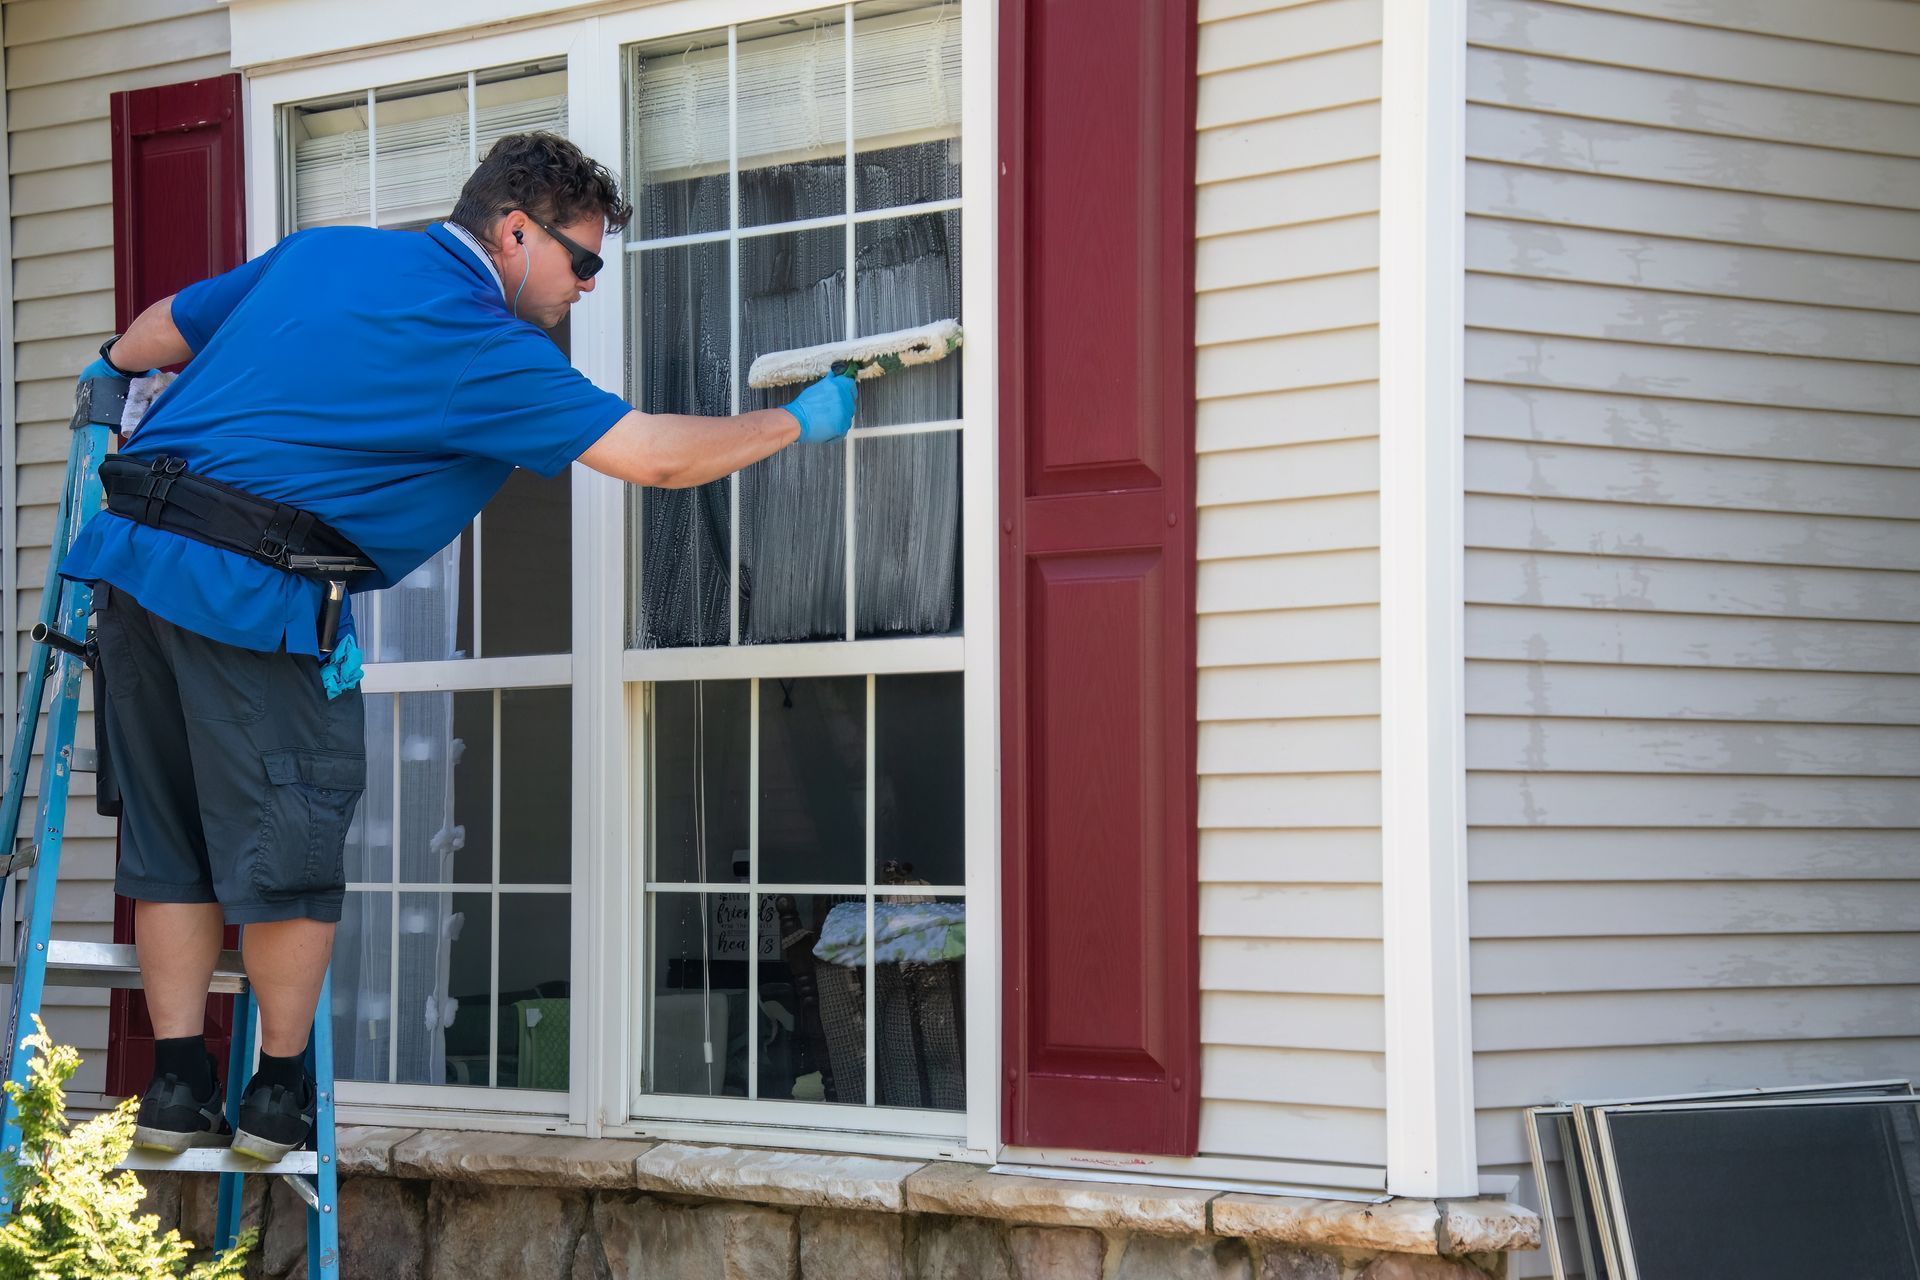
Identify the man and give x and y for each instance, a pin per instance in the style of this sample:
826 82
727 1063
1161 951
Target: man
351 399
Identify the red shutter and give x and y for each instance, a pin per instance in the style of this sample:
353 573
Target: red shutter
179 215
1097 575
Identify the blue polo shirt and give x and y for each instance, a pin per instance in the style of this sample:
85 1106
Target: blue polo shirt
374 378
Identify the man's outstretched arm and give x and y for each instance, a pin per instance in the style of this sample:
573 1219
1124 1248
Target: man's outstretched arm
680 451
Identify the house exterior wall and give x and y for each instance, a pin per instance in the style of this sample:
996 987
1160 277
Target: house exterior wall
1693 250
63 59
1286 271
1693 616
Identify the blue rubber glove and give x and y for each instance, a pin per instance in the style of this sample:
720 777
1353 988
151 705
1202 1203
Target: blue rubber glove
342 669
101 369
825 409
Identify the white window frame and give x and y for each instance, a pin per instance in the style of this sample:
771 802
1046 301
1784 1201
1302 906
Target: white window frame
609 681
973 1134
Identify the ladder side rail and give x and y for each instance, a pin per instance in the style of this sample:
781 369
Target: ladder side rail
232 1200
38 659
323 1222
75 603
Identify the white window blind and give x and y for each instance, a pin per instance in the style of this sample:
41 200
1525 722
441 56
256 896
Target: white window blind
422 152
791 103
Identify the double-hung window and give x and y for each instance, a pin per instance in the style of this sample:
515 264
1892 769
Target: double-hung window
800 629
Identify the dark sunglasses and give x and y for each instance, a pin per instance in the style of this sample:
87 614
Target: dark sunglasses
586 263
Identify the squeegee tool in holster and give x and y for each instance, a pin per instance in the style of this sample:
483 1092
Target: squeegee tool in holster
161 493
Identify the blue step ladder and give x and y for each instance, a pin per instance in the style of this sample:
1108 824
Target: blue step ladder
61 654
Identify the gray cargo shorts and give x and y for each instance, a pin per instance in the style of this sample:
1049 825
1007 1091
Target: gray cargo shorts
238 777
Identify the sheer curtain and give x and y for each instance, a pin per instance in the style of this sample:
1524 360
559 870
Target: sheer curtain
413 621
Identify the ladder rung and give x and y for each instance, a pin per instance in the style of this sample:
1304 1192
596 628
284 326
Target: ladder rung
117 965
220 1160
86 760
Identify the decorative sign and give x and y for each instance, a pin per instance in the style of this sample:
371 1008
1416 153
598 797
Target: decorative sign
730 936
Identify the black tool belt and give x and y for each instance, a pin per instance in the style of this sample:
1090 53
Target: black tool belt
162 494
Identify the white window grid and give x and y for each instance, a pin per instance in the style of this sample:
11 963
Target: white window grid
851 218
755 889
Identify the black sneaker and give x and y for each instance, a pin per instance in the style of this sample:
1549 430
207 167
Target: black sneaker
274 1120
172 1119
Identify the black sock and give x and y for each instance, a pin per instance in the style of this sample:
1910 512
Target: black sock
285 1072
185 1057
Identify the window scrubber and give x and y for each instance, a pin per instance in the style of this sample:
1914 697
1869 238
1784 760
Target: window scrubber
867 357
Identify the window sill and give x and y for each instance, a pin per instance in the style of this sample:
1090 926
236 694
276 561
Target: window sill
873 1184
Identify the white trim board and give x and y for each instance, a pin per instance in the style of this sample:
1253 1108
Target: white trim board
1429 1058
9 441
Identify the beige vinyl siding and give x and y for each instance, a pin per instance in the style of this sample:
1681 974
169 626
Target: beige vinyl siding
1287 214
63 59
1693 548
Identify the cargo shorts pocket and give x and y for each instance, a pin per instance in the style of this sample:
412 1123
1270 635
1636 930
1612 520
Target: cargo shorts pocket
304 821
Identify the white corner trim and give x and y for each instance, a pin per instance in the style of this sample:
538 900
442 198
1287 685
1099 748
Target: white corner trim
1429 1059
9 445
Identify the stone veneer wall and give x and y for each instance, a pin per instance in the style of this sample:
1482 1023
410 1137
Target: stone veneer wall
439 1205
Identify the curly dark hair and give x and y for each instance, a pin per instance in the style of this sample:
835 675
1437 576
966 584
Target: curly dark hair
544 175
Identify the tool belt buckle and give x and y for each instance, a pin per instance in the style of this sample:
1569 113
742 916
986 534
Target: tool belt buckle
274 550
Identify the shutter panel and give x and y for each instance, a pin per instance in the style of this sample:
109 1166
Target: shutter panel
1097 575
179 215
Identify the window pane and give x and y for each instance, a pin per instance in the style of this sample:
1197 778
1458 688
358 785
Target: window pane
908 274
906 103
793 546
683 537
813 770
701 742
536 947
370 838
428 752
422 151
907 540
684 329
793 118
417 619
684 550
920 1042
328 142
446 958
536 786
525 562
792 522
471 838
813 1013
677 134
519 100
919 802
699 1027
793 293
362 992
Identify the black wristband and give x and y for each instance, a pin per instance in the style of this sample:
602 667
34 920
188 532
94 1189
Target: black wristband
107 346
